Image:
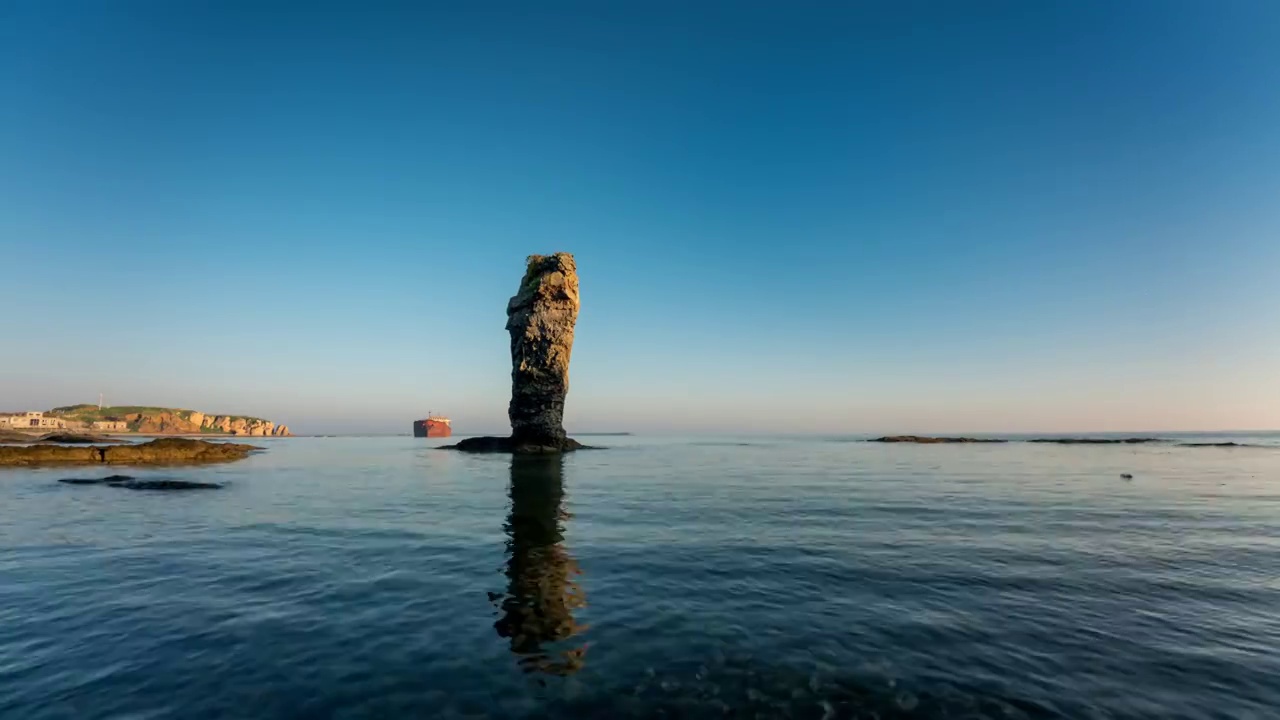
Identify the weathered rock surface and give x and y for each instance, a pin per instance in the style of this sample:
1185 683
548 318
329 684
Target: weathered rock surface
13 436
540 319
146 420
165 451
930 440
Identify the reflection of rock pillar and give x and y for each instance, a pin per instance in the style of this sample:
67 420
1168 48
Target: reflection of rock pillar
541 594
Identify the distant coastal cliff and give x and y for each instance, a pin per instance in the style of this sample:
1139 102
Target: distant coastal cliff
164 421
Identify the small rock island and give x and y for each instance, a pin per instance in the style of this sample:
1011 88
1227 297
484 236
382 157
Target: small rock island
540 318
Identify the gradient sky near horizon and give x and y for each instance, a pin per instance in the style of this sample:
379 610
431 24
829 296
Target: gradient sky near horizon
810 217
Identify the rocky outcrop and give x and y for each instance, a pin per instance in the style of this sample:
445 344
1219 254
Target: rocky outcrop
930 440
165 451
164 423
242 426
13 436
540 319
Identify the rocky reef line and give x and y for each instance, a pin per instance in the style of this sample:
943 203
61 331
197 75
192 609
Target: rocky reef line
164 451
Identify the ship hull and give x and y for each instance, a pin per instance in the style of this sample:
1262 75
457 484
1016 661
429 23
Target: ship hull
431 428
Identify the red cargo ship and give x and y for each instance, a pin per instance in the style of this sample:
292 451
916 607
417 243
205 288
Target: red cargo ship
432 426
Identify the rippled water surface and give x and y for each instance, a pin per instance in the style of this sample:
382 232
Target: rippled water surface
673 577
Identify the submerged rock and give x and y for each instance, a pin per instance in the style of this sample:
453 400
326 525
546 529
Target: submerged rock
131 483
165 451
1219 444
541 319
96 481
1096 441
928 440
165 485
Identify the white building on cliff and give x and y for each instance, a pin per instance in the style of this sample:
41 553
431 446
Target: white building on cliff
32 420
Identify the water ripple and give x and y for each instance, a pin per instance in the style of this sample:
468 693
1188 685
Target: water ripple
737 577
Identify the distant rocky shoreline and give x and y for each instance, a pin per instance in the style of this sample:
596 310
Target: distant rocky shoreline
929 440
141 420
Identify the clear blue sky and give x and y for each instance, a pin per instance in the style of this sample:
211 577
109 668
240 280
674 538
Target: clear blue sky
897 216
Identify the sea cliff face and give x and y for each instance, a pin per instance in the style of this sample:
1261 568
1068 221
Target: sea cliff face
171 421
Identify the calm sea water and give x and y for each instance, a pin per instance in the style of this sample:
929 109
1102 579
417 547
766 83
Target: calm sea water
677 577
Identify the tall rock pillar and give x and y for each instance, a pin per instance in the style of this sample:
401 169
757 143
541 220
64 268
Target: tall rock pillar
541 318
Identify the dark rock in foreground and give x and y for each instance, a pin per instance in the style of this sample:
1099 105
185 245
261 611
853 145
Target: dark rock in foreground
1096 441
929 440
165 451
131 483
511 445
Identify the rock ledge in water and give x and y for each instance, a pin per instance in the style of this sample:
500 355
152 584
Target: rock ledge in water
165 451
131 483
1221 444
930 440
1096 441
510 445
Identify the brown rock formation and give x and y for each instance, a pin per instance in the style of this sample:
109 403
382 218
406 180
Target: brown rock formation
197 419
540 318
165 451
165 423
